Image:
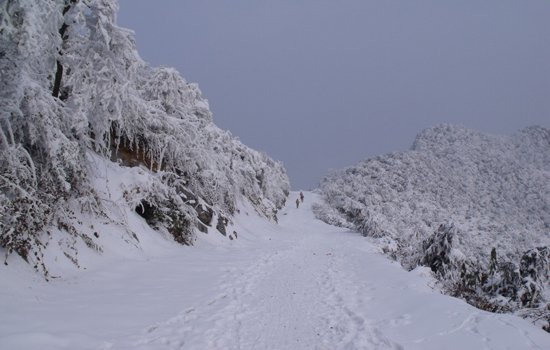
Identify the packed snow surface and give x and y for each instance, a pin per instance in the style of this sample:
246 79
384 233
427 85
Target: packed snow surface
301 284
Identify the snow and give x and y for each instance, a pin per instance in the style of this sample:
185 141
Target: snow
478 191
301 284
114 104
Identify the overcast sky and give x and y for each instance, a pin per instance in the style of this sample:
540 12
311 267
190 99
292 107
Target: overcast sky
323 84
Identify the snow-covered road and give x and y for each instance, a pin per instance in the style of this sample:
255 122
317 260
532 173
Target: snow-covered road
298 285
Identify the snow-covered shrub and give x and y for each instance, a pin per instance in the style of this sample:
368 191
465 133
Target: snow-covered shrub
330 215
533 269
41 155
73 84
450 201
437 249
163 203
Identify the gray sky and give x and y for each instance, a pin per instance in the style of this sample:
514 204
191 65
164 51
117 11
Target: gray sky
323 84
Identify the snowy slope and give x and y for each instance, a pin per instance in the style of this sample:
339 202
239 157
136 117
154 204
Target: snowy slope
473 207
74 93
301 284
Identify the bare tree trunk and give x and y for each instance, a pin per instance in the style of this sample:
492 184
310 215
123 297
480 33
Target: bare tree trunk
59 72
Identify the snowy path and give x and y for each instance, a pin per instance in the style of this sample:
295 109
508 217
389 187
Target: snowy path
299 285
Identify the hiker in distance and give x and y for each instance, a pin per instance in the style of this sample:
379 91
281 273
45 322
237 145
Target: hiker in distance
302 196
297 202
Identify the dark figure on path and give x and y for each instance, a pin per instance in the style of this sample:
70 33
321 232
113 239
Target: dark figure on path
297 202
302 196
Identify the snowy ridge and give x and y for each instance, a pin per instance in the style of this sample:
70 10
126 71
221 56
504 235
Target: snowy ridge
473 207
73 88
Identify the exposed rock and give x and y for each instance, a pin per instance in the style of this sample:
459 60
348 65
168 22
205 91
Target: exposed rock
204 214
222 225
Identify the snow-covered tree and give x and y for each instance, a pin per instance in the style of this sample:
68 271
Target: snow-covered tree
471 206
41 158
74 87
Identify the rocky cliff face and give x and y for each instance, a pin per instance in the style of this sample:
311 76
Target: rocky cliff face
474 207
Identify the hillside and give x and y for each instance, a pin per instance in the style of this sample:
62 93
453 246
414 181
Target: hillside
90 134
299 284
473 207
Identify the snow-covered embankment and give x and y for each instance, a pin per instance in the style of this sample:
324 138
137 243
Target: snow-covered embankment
301 284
